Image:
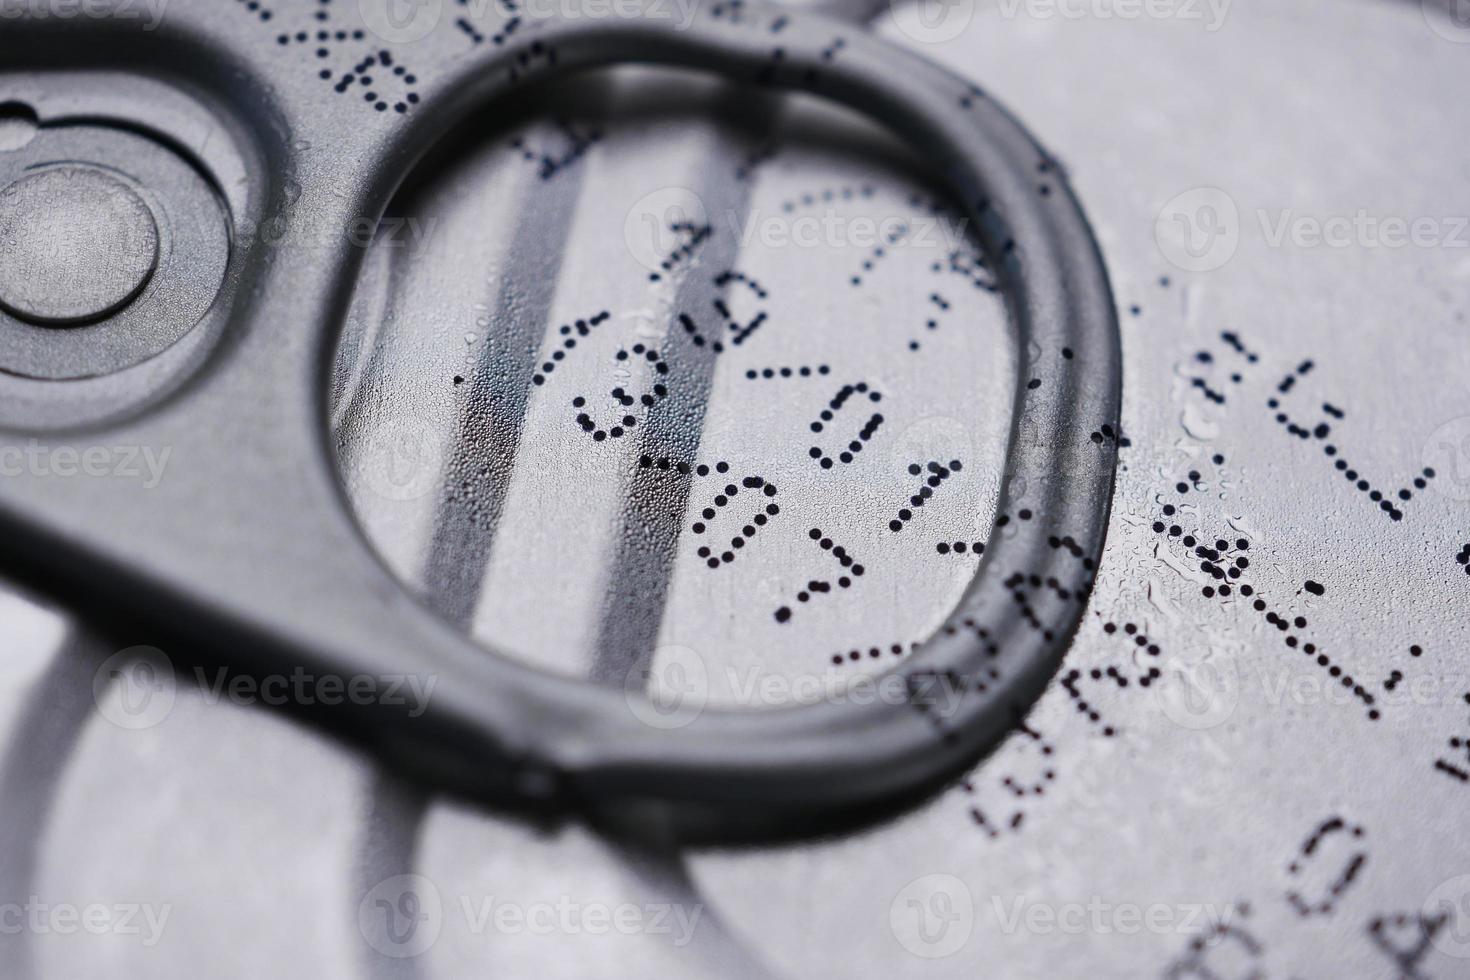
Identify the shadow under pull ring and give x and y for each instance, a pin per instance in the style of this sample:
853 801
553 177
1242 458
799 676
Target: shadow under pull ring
996 652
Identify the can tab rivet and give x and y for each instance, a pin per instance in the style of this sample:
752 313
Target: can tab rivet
77 244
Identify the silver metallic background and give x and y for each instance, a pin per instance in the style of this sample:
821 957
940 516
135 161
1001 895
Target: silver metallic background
265 837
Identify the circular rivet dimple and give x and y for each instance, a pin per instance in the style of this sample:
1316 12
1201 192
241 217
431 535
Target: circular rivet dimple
76 244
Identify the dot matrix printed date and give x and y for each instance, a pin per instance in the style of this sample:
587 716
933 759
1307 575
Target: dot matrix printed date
1200 537
835 415
732 516
331 43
